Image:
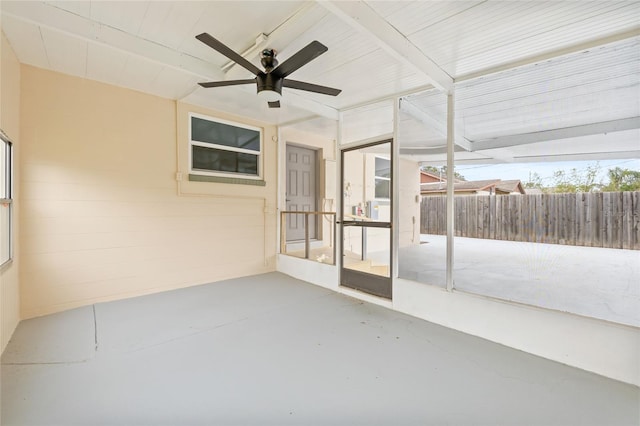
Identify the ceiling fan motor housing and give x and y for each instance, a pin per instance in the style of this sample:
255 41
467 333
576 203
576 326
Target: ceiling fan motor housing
269 81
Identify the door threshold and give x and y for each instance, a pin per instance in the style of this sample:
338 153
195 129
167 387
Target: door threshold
366 297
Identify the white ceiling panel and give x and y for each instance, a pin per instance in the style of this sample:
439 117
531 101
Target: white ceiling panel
601 84
413 16
50 16
126 16
171 23
155 18
140 74
173 84
618 142
366 122
104 63
343 42
26 41
82 8
498 32
318 126
66 54
155 52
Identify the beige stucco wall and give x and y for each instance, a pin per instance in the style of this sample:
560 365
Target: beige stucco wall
103 216
10 124
409 203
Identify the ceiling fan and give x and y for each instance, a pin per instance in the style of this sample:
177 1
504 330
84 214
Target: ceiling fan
270 82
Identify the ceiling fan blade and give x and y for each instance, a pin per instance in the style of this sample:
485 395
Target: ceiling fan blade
227 83
301 58
221 48
274 104
301 85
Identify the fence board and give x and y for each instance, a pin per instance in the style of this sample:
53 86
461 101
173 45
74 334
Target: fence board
500 234
601 216
609 220
581 219
616 217
635 220
515 216
561 220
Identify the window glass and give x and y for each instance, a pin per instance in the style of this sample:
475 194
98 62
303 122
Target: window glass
219 148
5 201
3 169
383 178
383 168
224 134
210 159
5 228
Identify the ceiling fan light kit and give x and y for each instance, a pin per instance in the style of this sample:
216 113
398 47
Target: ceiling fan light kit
269 83
269 95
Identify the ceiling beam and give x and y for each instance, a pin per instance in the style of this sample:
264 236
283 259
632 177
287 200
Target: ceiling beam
440 160
588 156
440 128
437 150
556 134
363 18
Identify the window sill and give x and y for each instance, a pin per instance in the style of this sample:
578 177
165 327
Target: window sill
229 180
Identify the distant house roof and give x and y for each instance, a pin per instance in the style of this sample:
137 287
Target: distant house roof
495 186
428 177
510 186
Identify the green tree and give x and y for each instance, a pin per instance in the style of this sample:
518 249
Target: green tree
577 180
622 180
534 181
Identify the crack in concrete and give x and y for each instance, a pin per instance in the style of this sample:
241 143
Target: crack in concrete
185 336
208 329
95 329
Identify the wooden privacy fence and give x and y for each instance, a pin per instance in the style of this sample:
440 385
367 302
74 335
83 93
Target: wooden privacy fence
597 219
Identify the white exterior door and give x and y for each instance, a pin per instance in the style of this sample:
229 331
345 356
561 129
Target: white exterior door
301 191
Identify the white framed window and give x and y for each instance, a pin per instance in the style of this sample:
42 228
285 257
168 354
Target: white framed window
6 199
223 148
382 178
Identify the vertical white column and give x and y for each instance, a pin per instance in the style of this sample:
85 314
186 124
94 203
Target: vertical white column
282 182
395 190
339 196
450 182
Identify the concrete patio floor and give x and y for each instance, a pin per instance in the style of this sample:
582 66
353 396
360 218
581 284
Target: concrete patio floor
596 282
273 350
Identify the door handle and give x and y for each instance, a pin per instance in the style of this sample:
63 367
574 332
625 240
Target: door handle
286 199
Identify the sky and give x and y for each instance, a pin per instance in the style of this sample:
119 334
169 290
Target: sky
521 171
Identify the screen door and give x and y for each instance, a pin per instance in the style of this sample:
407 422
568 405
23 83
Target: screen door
366 218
